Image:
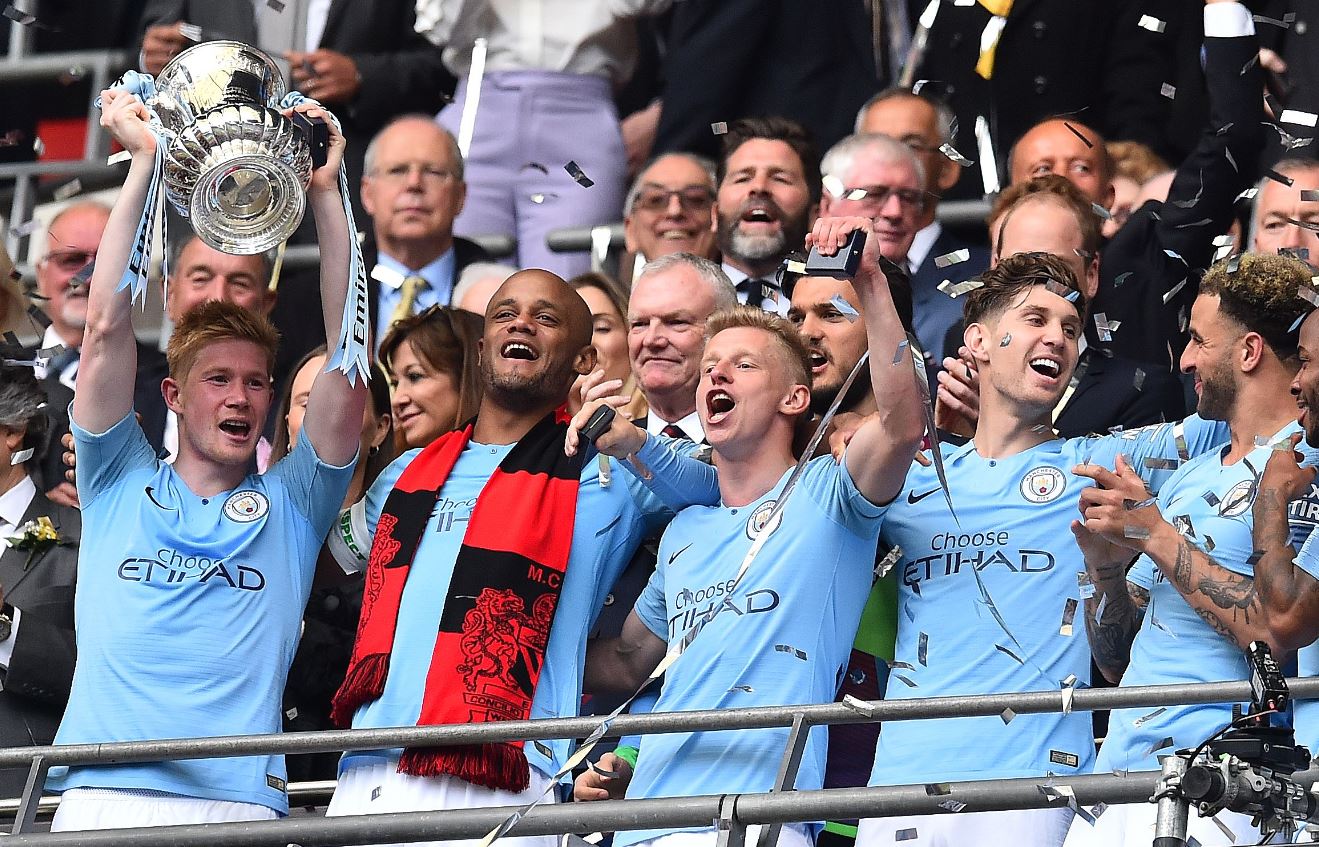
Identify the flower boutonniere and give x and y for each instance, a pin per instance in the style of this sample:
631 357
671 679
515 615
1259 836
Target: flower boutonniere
37 537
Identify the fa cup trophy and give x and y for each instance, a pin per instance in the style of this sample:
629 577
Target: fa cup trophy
233 165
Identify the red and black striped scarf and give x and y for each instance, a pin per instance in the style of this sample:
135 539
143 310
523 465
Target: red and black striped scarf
500 605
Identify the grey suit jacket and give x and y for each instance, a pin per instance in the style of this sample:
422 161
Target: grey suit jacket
36 684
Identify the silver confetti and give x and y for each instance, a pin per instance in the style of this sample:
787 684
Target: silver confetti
1000 648
1151 23
1135 532
1308 294
1168 90
1309 194
1295 116
719 127
192 32
1007 339
905 835
68 189
1144 719
897 355
1225 829
1121 278
922 649
833 185
1138 380
884 565
1172 292
1069 615
577 174
858 705
952 258
845 308
938 789
956 290
1296 324
1104 214
1162 744
604 772
1105 327
786 648
952 805
1248 194
1007 715
904 680
1132 505
1086 586
951 152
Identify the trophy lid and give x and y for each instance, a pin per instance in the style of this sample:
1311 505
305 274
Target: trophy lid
212 74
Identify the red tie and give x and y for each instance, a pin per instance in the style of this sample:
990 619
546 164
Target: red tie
673 431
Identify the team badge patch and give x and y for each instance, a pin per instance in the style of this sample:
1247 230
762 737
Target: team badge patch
1238 499
246 506
756 523
1043 485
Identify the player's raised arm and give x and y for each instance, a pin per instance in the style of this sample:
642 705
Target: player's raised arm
108 361
882 449
334 408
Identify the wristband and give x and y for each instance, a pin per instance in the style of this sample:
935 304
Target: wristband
627 754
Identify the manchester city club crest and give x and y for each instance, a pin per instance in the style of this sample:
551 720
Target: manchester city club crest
246 506
756 523
1043 485
1238 499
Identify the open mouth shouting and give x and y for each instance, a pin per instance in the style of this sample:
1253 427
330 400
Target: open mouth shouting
236 429
819 361
759 215
1046 366
718 405
519 350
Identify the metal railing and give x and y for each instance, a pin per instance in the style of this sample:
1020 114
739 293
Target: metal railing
781 805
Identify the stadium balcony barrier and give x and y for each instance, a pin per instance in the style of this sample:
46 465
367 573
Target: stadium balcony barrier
730 814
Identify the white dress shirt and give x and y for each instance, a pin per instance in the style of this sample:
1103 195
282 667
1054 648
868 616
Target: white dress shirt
779 304
921 245
690 425
594 37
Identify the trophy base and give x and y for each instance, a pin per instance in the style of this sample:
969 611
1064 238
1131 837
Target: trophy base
247 205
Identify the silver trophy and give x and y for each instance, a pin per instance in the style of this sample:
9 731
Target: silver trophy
234 166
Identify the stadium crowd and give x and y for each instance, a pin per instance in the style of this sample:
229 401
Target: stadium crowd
1071 445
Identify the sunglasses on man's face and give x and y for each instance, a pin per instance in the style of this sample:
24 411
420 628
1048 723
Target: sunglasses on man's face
70 261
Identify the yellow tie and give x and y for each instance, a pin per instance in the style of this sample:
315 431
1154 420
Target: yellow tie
989 38
407 297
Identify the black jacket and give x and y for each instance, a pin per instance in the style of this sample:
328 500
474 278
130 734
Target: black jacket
1119 392
36 685
812 62
1137 273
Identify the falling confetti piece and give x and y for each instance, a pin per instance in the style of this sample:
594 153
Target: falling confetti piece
884 565
1310 225
922 649
905 835
67 190
897 356
576 173
604 772
1000 648
1160 463
1151 23
951 152
938 789
1069 615
1121 278
1285 23
1248 194
833 185
1085 585
1162 744
1007 339
953 258
743 688
719 127
536 166
1144 719
1138 380
1087 142
38 146
1295 116
849 311
1172 292
116 158
785 648
192 32
1308 294
276 5
1007 715
1277 177
1135 532
904 680
1168 90
952 805
858 705
1131 505
1309 194
956 290
1296 324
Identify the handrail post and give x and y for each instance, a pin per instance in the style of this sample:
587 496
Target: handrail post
787 777
732 832
27 808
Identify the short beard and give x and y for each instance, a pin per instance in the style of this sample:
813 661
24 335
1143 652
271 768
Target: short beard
526 394
822 397
760 248
1218 396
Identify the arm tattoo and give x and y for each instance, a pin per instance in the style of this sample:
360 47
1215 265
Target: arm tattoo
1111 635
1228 594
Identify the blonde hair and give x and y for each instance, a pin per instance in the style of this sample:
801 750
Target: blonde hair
214 321
796 357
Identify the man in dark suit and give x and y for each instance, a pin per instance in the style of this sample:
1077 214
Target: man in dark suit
36 581
1163 244
413 189
368 66
729 59
924 124
1088 58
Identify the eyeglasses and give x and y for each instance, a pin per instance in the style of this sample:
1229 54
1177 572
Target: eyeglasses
877 196
402 173
695 198
70 261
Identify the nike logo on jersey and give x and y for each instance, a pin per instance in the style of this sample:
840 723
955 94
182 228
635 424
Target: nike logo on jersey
913 498
673 556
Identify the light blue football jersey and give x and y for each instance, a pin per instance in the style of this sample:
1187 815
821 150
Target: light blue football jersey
781 636
611 521
991 602
1210 504
188 611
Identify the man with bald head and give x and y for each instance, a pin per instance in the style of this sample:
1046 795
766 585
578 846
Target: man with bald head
514 545
1163 245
